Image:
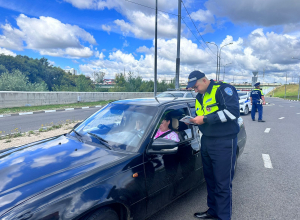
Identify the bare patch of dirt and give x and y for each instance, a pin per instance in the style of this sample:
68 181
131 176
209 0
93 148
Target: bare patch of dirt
28 138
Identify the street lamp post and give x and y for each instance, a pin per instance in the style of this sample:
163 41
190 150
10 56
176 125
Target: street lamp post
217 58
299 78
220 58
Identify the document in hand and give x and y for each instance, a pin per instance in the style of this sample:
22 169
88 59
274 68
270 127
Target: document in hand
186 119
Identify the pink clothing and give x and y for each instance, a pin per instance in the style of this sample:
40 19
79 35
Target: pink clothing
172 136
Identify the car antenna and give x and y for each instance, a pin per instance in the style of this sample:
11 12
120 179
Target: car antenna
156 99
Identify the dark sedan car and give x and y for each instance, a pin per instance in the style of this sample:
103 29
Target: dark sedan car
108 167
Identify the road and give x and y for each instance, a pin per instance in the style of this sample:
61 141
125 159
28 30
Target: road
258 192
26 123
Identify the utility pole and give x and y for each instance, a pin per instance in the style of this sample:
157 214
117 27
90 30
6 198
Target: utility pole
285 85
178 47
155 53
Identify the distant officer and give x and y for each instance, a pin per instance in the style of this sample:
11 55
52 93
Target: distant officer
217 109
257 100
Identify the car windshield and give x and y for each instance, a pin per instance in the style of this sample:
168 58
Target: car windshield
242 94
120 126
167 94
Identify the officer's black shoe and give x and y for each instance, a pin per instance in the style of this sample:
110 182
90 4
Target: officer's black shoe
204 215
253 119
261 121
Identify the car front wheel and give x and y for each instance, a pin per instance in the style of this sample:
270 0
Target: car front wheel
246 111
105 213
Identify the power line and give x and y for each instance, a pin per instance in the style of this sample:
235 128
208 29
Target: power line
150 7
197 39
196 28
183 21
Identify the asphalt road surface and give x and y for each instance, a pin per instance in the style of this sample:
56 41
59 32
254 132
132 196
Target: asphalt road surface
267 180
33 122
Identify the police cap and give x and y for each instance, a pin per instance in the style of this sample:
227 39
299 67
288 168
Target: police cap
193 77
257 84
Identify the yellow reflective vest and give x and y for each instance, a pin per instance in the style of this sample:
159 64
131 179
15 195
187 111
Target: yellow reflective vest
210 104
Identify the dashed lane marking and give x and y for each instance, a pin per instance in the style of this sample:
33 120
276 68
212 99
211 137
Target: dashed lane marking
298 113
267 130
281 118
267 161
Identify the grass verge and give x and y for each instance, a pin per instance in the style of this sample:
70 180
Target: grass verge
49 107
291 92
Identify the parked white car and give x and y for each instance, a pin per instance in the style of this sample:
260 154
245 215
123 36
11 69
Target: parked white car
245 104
178 94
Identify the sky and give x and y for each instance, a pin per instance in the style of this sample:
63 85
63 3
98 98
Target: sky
114 36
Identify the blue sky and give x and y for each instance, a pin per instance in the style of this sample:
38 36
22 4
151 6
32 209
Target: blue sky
113 35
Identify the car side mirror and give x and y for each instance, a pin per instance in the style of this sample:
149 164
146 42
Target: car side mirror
163 146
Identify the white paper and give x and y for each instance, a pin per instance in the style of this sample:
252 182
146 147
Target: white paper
186 119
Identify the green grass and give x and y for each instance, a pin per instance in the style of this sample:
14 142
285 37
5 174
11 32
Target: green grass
49 107
291 92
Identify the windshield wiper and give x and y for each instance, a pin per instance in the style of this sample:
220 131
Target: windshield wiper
103 141
79 136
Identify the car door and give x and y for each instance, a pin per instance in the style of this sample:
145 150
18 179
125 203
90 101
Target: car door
169 175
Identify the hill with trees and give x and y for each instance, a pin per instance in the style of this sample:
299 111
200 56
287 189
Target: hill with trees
22 73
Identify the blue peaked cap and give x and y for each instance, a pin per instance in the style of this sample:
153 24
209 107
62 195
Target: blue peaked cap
193 77
257 84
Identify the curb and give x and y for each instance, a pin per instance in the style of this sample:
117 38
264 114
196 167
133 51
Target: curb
48 111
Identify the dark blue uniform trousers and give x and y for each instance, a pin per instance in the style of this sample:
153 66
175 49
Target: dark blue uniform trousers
218 157
256 105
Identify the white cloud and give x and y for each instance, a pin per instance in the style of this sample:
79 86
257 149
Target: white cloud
47 35
47 32
266 13
7 52
203 16
12 38
139 20
106 28
125 44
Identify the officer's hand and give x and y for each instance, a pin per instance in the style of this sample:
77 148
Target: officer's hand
264 103
198 120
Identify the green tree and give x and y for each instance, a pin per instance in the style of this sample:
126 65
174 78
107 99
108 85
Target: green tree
16 81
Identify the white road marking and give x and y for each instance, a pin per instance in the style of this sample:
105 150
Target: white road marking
48 111
281 118
298 113
85 107
267 130
267 161
26 113
69 109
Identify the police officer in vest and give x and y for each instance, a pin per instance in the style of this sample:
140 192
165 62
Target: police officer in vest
217 109
257 100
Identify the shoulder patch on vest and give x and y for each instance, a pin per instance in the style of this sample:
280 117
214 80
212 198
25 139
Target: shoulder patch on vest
229 91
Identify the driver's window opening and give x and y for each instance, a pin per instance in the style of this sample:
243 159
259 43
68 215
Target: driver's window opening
170 126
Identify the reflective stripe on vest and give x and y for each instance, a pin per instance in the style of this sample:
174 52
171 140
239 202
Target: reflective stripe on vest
210 104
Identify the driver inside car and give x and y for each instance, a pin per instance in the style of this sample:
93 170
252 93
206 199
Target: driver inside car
164 130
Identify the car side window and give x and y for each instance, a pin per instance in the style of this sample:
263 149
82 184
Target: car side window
177 131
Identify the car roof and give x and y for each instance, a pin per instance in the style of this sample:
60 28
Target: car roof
153 101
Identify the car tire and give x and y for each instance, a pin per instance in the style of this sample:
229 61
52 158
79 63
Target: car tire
104 213
246 111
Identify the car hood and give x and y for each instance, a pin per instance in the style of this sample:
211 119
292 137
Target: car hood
32 169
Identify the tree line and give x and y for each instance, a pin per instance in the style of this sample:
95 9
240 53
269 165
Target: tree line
22 73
